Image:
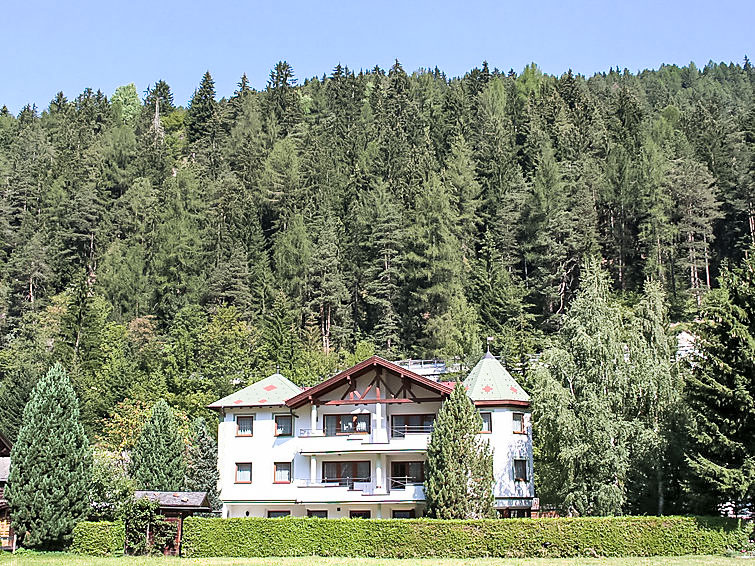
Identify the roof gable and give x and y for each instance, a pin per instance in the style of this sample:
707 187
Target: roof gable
196 500
271 391
375 361
489 382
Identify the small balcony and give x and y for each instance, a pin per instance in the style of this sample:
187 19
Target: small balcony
400 431
402 482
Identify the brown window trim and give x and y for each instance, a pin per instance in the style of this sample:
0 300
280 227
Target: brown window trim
290 472
523 430
342 415
275 421
491 423
236 477
237 425
525 478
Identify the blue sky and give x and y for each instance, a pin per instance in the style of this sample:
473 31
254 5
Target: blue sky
47 46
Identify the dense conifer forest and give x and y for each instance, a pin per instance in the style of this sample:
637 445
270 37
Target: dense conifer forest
166 252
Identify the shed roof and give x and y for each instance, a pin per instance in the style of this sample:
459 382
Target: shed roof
271 391
194 500
489 382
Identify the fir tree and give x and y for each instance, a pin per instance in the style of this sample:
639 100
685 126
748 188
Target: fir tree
15 391
459 466
52 465
202 109
721 393
202 462
157 461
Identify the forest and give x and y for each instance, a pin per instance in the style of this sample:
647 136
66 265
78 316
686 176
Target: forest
160 251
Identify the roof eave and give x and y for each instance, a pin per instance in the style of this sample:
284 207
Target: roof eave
502 403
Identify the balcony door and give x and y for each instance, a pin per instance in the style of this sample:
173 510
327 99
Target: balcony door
407 473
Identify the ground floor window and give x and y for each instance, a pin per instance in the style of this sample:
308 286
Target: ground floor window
360 514
317 514
514 513
404 514
278 514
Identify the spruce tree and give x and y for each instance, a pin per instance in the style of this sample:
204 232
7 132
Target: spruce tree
15 391
459 466
202 462
157 461
52 465
202 107
720 393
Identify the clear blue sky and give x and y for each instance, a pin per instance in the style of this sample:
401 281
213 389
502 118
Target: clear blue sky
47 46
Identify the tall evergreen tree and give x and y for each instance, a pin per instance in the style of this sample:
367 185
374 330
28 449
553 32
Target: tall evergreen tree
720 392
52 464
459 466
158 460
202 462
202 108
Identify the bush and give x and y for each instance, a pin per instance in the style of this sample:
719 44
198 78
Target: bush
147 532
101 538
427 538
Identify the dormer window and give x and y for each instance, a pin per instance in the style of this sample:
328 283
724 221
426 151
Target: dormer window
284 425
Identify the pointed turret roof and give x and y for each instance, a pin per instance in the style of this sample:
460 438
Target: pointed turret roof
489 382
273 390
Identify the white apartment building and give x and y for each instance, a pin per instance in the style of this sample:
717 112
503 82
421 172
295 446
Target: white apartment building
355 444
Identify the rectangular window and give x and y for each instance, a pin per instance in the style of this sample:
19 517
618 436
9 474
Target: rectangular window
407 473
347 424
244 426
282 472
519 423
487 422
346 473
317 514
411 424
520 470
360 514
284 425
403 514
244 473
278 514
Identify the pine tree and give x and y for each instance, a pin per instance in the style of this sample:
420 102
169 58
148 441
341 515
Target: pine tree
202 108
720 392
202 462
459 466
157 461
52 465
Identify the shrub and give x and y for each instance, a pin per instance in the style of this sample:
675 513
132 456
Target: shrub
101 538
427 538
147 532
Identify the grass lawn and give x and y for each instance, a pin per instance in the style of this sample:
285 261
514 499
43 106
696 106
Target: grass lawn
55 559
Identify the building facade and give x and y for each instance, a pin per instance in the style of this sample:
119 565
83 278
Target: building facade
7 539
355 444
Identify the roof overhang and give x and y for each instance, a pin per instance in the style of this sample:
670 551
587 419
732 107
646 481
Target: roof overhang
309 395
502 403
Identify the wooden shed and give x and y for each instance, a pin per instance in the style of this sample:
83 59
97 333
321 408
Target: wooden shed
175 506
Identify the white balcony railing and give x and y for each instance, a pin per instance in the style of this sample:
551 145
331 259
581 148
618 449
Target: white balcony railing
400 431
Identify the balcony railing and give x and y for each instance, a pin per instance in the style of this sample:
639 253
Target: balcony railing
309 432
400 431
346 482
400 482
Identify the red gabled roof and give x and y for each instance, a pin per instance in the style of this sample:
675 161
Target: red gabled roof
362 367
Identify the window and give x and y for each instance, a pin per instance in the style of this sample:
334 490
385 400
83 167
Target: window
403 514
317 514
282 472
244 473
345 473
519 423
244 426
407 473
360 514
278 514
520 470
284 425
347 424
487 422
411 424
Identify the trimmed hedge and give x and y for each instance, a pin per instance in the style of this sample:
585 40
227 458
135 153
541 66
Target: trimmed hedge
101 538
426 538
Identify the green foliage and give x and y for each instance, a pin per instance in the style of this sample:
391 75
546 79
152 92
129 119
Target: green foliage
407 538
147 532
157 461
720 392
459 466
126 102
52 465
202 462
110 487
99 538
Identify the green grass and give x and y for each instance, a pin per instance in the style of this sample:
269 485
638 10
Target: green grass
56 559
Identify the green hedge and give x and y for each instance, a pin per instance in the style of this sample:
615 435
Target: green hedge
100 538
424 538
